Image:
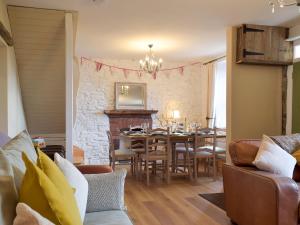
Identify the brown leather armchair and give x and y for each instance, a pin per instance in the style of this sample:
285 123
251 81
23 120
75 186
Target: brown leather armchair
254 197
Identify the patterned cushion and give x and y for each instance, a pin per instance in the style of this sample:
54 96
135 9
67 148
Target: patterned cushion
106 191
289 143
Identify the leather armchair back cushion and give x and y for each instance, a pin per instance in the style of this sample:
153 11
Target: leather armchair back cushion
243 152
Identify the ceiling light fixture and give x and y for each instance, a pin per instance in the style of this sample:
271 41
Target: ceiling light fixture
150 64
283 3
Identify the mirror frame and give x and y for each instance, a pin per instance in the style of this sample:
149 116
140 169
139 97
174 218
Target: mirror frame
141 107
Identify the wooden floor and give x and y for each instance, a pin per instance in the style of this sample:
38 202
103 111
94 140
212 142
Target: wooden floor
175 204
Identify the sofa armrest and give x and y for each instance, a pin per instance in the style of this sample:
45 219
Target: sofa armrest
259 198
94 169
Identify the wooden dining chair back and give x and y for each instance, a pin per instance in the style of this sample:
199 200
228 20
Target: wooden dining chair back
205 137
205 148
157 149
117 155
111 148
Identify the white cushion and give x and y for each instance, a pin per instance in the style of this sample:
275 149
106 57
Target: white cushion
272 158
27 216
76 180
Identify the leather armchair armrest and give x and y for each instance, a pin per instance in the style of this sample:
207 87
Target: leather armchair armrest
94 169
259 198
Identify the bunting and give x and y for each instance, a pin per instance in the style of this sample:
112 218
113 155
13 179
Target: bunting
126 71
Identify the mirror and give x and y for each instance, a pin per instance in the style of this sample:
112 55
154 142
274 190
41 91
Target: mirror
131 95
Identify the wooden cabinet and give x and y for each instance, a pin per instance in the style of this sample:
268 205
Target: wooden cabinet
258 44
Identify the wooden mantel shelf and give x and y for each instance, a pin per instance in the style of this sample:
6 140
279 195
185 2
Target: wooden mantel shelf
123 112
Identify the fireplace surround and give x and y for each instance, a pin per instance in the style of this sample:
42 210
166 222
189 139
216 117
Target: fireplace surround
124 118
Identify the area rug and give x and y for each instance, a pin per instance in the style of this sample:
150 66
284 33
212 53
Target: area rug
215 198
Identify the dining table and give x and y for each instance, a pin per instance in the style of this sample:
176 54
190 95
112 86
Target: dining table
186 138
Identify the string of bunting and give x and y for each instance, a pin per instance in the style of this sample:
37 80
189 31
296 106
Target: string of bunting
126 71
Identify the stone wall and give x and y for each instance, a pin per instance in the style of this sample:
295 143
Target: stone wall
170 91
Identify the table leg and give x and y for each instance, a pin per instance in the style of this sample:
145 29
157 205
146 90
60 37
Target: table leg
173 144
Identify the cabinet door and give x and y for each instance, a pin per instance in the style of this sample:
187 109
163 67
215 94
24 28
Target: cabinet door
263 45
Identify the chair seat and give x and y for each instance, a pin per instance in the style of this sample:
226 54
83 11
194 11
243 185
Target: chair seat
202 154
183 149
155 155
218 150
124 153
138 150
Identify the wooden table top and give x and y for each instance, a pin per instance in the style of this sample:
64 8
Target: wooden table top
220 134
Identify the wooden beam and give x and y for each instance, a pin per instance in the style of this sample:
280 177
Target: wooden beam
4 33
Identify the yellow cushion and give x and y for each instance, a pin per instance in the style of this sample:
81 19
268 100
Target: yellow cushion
39 192
296 154
58 179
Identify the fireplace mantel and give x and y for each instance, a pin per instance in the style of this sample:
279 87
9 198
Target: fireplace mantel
119 113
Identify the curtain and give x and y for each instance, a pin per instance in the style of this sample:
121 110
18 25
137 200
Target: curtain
210 94
219 103
216 101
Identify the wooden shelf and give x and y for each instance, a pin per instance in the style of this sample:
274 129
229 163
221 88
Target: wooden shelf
129 112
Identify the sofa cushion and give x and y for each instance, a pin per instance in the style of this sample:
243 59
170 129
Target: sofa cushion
243 152
59 180
76 180
272 158
39 192
113 217
289 143
27 216
106 191
8 193
13 151
3 139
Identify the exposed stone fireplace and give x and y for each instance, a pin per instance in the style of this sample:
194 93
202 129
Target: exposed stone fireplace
124 118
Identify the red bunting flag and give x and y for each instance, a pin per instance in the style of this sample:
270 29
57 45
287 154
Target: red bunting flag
126 73
154 74
139 73
181 70
98 66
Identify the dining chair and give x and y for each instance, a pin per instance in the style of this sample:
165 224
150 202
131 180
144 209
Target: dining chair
118 155
204 149
181 157
157 150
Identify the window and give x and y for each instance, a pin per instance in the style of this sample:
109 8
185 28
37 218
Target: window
297 51
219 105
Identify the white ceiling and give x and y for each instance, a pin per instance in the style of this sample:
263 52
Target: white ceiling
181 30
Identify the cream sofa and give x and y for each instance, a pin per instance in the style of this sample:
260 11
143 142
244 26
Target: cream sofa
8 199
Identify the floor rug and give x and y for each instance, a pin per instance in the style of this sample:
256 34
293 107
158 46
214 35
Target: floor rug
215 198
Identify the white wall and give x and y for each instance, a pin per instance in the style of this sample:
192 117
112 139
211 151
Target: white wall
186 93
15 118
